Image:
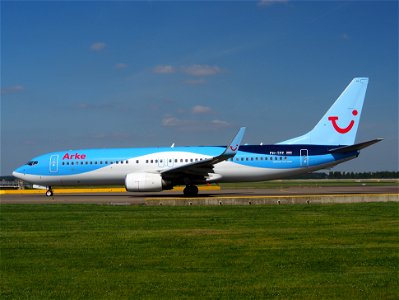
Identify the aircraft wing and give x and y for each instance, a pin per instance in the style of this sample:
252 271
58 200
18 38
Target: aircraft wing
204 167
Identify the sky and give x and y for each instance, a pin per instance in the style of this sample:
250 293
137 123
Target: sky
135 74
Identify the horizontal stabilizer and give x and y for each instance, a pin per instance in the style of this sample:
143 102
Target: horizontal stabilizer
355 147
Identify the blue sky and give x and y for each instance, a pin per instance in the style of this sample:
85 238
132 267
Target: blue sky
135 74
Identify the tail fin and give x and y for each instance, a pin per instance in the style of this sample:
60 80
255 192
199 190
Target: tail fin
339 125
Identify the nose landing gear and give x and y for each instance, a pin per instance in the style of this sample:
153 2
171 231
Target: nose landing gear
49 192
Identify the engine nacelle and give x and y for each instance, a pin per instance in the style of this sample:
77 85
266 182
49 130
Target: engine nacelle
143 182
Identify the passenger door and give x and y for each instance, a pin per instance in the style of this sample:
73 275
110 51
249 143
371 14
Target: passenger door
304 158
53 166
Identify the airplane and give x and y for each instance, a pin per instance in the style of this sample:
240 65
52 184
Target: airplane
329 143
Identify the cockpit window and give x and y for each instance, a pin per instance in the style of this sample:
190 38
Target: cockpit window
32 162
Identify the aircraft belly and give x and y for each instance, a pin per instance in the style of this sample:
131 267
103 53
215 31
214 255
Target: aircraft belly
232 172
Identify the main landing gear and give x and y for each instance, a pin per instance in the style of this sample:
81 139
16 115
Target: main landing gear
190 191
49 192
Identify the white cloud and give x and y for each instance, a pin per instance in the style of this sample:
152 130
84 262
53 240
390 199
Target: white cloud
170 122
199 109
193 125
98 46
196 70
220 123
120 66
201 70
164 69
12 89
265 3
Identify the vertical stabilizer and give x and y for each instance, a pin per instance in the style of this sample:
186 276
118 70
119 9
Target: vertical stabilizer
339 125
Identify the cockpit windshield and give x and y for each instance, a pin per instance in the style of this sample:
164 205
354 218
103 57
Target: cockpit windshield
32 162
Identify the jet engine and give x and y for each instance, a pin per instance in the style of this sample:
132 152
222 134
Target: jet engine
143 182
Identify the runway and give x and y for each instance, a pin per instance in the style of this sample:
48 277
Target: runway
291 195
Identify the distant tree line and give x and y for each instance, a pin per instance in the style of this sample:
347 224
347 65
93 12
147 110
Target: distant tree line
350 175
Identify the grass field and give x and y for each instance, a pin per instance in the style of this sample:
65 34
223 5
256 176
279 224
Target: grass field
289 251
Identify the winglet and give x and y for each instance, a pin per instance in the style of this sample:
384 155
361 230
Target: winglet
232 148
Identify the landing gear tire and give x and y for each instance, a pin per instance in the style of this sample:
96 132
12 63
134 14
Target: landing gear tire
190 191
49 193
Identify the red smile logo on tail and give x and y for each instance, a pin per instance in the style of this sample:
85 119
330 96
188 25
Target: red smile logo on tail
346 129
234 148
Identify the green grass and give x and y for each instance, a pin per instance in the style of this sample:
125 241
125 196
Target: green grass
288 251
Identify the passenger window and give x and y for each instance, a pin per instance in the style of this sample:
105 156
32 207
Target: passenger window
191 160
186 160
175 160
127 161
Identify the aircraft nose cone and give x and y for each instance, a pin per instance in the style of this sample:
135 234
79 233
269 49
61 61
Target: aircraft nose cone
18 173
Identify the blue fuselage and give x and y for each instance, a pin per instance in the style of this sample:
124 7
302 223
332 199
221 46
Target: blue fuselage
110 166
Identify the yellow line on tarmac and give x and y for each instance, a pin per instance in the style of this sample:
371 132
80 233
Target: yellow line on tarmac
94 190
63 191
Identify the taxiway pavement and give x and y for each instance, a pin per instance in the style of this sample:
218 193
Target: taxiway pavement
339 194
